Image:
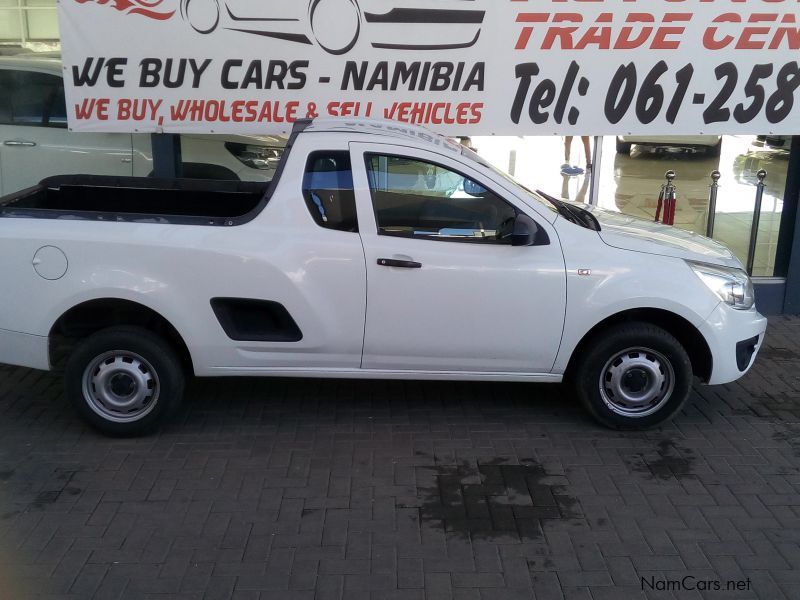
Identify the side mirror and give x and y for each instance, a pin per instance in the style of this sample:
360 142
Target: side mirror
528 233
473 189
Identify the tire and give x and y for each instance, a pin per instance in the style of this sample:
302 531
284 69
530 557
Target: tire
633 376
139 373
715 150
623 147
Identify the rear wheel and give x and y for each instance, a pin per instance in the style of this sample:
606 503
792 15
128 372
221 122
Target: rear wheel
634 376
623 147
124 381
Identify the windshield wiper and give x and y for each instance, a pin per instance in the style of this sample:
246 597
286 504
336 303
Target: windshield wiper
574 214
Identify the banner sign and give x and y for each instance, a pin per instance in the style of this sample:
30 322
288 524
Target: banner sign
466 67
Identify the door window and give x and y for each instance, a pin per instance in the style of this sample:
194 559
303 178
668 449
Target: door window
328 191
420 199
32 99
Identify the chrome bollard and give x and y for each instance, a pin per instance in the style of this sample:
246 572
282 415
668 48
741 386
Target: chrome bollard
712 203
751 252
670 199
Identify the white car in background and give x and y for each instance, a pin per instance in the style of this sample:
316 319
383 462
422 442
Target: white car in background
35 142
711 143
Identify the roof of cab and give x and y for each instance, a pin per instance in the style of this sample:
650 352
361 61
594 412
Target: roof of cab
380 128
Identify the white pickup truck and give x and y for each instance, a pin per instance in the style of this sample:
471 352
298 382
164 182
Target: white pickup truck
379 250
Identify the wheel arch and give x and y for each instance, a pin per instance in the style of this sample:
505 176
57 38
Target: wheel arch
684 331
88 317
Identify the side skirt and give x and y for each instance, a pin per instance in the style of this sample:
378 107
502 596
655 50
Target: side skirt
378 374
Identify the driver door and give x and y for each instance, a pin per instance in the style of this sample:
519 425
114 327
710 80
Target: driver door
446 291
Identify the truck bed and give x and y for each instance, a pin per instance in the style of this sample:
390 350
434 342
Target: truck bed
138 199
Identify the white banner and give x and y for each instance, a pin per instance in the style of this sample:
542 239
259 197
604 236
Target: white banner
466 67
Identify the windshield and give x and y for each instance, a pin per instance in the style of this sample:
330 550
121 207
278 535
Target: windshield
571 212
475 157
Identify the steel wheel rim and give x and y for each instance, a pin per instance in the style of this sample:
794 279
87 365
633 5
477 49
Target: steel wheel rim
121 386
637 382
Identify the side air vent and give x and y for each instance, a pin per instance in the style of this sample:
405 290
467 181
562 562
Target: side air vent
246 320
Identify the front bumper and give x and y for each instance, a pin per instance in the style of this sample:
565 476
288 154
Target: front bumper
734 338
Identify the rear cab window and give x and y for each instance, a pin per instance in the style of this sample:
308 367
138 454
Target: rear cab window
328 190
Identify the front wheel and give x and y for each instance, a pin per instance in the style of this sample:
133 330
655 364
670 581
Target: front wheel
633 376
124 381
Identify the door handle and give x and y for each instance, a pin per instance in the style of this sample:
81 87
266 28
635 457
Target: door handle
18 143
399 264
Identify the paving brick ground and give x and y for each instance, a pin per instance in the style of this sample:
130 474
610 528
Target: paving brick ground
420 491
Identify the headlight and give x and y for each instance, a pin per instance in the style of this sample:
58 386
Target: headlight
256 157
733 286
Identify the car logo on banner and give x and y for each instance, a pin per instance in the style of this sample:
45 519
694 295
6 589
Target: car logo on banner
285 21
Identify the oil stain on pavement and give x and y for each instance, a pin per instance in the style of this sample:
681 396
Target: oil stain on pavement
494 499
667 462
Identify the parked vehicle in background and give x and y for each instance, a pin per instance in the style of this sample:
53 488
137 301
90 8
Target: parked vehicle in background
379 250
35 142
12 50
712 144
776 141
